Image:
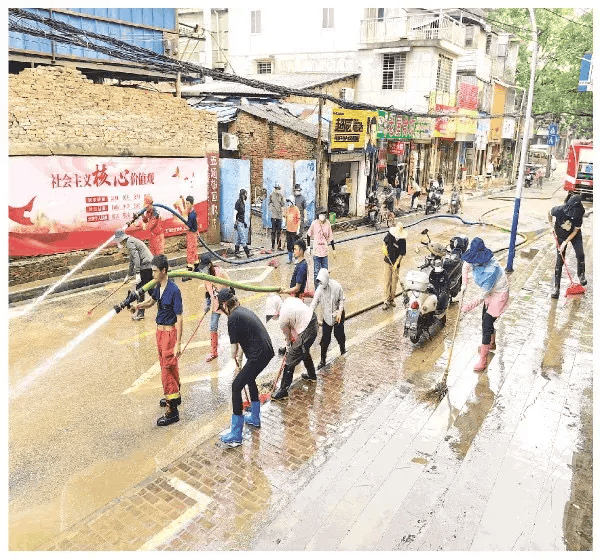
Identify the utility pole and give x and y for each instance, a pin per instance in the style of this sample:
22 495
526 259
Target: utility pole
515 223
319 193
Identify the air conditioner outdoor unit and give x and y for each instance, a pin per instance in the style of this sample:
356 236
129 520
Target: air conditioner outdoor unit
347 94
229 141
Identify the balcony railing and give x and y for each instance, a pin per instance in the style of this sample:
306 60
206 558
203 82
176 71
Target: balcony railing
422 27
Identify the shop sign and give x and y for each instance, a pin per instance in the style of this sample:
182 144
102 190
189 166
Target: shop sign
508 128
396 148
349 128
394 126
59 203
466 122
481 134
445 126
468 96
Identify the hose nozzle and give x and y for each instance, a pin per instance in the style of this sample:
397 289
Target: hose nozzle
132 296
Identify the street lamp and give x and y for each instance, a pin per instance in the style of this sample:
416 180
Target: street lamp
515 223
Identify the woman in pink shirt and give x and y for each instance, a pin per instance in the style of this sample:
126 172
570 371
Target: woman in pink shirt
490 277
320 231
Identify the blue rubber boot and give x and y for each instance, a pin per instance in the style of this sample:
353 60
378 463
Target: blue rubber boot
234 437
253 418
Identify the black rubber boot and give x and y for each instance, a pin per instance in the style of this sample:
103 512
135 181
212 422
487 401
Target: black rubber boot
237 251
247 251
581 273
286 380
171 415
163 402
323 358
557 275
310 374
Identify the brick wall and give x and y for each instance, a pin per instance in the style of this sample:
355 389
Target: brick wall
56 110
259 139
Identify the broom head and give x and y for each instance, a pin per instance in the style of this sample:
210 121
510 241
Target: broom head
437 393
575 289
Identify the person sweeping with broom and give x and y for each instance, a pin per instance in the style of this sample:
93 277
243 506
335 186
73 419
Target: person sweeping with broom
490 277
567 229
393 248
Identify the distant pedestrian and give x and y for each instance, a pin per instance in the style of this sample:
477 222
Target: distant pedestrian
240 225
490 277
330 296
300 201
320 230
416 193
292 225
151 220
394 249
169 328
186 207
567 228
489 171
212 302
276 203
140 263
247 336
299 326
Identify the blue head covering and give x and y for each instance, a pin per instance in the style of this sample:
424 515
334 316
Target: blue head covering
477 253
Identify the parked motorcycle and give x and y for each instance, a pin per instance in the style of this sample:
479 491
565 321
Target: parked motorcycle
373 211
529 175
434 200
432 287
455 203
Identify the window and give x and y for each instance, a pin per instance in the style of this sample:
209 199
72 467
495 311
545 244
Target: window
264 67
444 74
469 32
327 18
375 13
394 71
255 22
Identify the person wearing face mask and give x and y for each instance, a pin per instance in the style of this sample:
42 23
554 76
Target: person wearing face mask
331 297
276 204
320 230
248 336
393 248
300 203
240 225
567 229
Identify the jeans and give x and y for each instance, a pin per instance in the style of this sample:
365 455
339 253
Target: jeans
290 238
319 262
241 234
214 321
275 232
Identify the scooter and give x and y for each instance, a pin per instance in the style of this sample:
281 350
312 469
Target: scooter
431 293
434 200
455 203
373 211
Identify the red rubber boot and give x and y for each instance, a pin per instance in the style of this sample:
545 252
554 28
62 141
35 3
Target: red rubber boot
214 344
483 357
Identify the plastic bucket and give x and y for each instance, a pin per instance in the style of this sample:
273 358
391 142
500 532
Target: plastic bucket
332 217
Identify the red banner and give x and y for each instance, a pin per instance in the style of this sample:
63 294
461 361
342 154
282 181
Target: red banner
60 204
396 147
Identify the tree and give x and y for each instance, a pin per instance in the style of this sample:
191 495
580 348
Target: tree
563 39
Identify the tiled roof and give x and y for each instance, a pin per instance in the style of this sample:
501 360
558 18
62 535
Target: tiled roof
277 115
225 88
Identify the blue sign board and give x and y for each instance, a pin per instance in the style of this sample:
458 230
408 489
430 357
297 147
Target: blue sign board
553 130
585 75
551 140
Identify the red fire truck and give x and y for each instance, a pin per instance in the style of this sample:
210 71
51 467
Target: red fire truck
580 169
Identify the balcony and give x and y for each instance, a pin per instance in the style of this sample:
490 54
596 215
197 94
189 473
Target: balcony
411 28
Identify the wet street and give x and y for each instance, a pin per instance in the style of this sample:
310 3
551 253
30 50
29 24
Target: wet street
359 460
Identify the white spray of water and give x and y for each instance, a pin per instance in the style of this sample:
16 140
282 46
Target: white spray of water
59 355
52 288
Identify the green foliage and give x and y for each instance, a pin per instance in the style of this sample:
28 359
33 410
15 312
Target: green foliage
561 46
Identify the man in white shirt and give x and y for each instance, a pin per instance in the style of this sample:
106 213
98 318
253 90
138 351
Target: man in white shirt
331 296
299 326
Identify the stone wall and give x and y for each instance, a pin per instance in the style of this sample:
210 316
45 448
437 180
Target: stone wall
56 110
259 139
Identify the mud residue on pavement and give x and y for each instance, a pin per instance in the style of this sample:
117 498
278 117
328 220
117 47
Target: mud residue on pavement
578 523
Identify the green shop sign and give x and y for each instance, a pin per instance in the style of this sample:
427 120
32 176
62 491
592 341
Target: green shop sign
394 126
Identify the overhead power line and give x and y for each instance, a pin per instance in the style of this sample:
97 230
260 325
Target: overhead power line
568 19
150 60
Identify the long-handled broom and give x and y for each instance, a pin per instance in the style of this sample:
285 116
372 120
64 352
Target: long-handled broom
438 393
574 288
267 395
